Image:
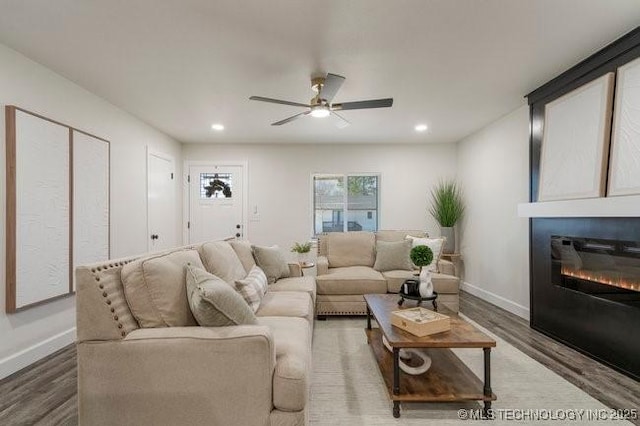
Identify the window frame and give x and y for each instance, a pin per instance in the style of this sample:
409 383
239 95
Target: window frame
345 198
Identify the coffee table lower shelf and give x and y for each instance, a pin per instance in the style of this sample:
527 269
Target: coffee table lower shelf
448 379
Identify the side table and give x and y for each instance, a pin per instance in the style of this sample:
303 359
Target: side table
306 265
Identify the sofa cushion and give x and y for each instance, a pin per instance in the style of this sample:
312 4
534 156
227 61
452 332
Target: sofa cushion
392 255
221 260
253 287
291 378
155 289
350 249
395 279
435 244
287 304
305 283
351 280
213 302
272 262
442 284
245 254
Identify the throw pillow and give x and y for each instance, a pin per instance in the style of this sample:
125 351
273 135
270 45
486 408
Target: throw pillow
272 262
213 302
245 253
219 258
155 291
253 287
435 244
393 256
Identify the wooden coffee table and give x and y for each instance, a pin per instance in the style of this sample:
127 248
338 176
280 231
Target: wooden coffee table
448 379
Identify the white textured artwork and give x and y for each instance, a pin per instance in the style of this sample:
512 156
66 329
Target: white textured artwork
575 144
624 167
42 209
90 199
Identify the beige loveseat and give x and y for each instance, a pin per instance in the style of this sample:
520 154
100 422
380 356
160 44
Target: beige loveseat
143 360
345 273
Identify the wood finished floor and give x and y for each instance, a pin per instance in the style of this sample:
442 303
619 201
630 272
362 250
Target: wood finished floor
45 392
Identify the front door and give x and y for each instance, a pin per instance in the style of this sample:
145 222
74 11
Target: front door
215 202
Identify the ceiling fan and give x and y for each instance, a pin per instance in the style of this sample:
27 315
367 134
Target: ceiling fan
321 105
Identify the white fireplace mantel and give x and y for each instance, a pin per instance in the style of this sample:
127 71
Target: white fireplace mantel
627 206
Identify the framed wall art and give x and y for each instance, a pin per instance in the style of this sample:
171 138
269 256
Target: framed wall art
575 144
57 198
624 166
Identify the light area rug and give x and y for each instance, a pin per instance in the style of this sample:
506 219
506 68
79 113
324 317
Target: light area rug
347 387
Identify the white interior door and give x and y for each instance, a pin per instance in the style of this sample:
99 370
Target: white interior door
216 202
161 205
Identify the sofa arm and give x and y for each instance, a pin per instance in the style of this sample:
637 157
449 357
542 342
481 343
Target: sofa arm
322 264
295 270
178 375
446 267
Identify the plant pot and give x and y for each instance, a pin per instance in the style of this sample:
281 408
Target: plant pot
303 258
450 242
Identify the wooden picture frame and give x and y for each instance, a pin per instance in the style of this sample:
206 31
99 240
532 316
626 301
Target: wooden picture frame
575 143
624 166
41 205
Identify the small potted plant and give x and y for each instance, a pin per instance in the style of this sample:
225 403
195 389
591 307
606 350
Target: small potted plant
422 256
303 250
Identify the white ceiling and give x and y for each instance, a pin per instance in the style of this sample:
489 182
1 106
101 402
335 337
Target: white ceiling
180 66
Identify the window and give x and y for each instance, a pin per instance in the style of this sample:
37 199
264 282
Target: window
339 207
215 185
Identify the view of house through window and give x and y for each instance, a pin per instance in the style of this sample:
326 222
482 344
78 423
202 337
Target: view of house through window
345 203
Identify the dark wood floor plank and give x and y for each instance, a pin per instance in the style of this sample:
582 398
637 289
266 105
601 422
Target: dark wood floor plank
44 393
598 380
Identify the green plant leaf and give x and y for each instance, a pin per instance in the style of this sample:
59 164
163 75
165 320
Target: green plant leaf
421 255
301 247
447 206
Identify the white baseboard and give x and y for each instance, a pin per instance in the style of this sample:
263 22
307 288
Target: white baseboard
500 301
28 356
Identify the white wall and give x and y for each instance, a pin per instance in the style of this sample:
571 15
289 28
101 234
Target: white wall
27 336
493 168
280 182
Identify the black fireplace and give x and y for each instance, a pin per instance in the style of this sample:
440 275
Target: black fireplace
585 291
608 269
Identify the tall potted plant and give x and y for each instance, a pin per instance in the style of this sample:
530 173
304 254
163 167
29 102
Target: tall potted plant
447 207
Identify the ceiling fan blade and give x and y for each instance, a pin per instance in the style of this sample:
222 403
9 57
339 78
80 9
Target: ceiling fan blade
277 101
343 122
293 117
332 84
374 103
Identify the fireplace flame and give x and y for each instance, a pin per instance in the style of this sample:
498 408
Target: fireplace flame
603 277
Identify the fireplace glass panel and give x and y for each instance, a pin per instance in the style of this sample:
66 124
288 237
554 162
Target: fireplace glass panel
608 269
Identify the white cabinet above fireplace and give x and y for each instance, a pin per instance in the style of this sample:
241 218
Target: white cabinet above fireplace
626 206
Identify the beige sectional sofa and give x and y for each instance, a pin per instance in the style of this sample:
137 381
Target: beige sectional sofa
345 272
143 360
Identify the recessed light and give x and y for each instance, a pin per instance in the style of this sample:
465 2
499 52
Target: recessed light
421 127
217 127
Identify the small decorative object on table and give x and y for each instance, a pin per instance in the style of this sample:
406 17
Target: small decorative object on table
422 256
303 250
420 321
416 296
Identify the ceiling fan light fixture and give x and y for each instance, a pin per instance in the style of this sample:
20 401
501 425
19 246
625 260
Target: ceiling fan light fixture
320 111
